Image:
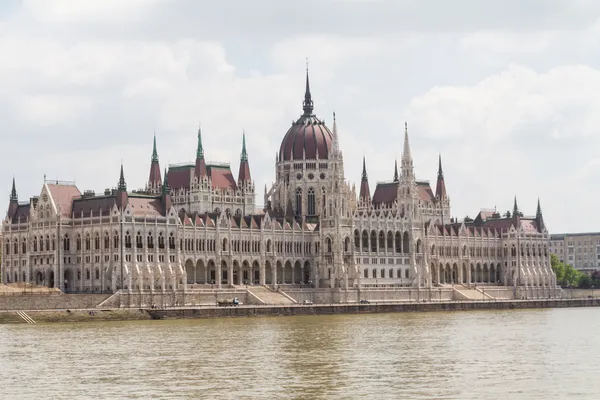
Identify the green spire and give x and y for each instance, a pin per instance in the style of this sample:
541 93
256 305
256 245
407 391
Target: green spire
200 150
13 192
122 185
165 187
244 154
154 152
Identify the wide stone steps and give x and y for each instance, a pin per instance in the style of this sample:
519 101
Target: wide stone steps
267 296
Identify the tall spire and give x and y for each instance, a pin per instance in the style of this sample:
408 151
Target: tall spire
244 156
538 213
539 218
396 179
122 185
199 150
515 208
365 192
13 192
154 152
406 153
307 105
165 187
336 140
440 189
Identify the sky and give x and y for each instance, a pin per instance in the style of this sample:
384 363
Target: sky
508 92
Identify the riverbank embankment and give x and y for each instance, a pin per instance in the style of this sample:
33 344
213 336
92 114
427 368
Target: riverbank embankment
89 315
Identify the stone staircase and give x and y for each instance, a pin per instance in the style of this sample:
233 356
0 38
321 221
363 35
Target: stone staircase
464 293
268 296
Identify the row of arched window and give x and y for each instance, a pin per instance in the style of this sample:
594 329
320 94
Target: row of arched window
374 242
311 203
383 275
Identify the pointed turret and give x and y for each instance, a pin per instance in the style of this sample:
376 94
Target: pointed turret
515 207
121 196
440 189
396 178
166 194
307 105
336 140
200 169
14 201
154 180
244 173
13 192
365 193
407 162
539 218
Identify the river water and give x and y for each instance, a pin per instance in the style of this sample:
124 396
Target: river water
530 354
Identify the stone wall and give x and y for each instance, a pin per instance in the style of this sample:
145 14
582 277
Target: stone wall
333 296
39 301
140 299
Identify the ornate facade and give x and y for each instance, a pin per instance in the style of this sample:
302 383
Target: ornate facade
199 226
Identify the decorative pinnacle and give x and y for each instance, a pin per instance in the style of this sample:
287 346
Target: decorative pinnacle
539 209
154 152
13 192
440 172
307 105
406 154
122 185
165 188
244 157
364 171
200 149
515 207
336 140
396 179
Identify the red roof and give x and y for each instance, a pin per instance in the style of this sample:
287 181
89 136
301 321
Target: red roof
180 177
63 196
221 177
385 193
146 206
425 193
307 138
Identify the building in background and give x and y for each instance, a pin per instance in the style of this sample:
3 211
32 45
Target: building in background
581 250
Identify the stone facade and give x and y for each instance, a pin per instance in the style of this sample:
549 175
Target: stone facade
199 227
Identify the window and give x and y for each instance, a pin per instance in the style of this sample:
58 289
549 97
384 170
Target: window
150 240
311 201
106 241
298 201
87 242
138 240
127 240
161 241
366 272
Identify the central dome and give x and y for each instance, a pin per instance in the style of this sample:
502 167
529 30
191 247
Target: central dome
308 137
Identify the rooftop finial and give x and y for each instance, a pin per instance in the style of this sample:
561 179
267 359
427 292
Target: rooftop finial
515 207
336 140
396 179
244 154
200 149
364 171
440 172
539 208
122 185
165 188
154 152
13 192
307 105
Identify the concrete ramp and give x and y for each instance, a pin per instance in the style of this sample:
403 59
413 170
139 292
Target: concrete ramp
463 293
268 296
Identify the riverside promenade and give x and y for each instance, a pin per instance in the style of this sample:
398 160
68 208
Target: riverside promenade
189 312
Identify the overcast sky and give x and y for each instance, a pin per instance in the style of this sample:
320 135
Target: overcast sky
507 91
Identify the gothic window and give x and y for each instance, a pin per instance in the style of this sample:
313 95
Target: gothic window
171 241
116 240
16 247
406 273
373 241
34 243
66 243
398 242
366 273
269 246
161 241
374 273
298 201
391 273
106 241
88 242
399 273
138 240
224 248
382 273
405 243
53 242
78 274
357 240
42 243
97 241
365 241
347 244
381 240
127 240
97 273
311 201
329 245
150 240
87 273
390 241
24 245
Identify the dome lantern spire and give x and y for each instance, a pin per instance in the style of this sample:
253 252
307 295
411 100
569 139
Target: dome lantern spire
307 105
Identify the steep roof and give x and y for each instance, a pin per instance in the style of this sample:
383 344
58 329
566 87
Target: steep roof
93 206
221 176
424 191
22 214
385 193
63 196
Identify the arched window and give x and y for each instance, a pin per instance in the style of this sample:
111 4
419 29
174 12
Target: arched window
106 241
381 241
66 243
382 273
171 241
311 201
78 242
161 241
391 273
324 202
150 240
365 241
138 240
347 244
53 243
97 241
298 201
127 240
366 272
329 245
87 273
16 246
97 273
268 245
398 242
42 243
116 240
373 241
24 245
224 248
34 243
88 242
374 273
357 240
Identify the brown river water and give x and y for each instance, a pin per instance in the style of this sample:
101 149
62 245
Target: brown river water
524 354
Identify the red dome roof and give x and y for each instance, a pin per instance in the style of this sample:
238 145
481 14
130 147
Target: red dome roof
307 138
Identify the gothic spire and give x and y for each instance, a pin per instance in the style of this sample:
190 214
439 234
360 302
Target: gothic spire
336 140
396 179
538 213
365 192
154 152
13 192
515 207
440 189
364 171
165 187
122 185
307 105
407 162
199 150
440 172
539 218
244 156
